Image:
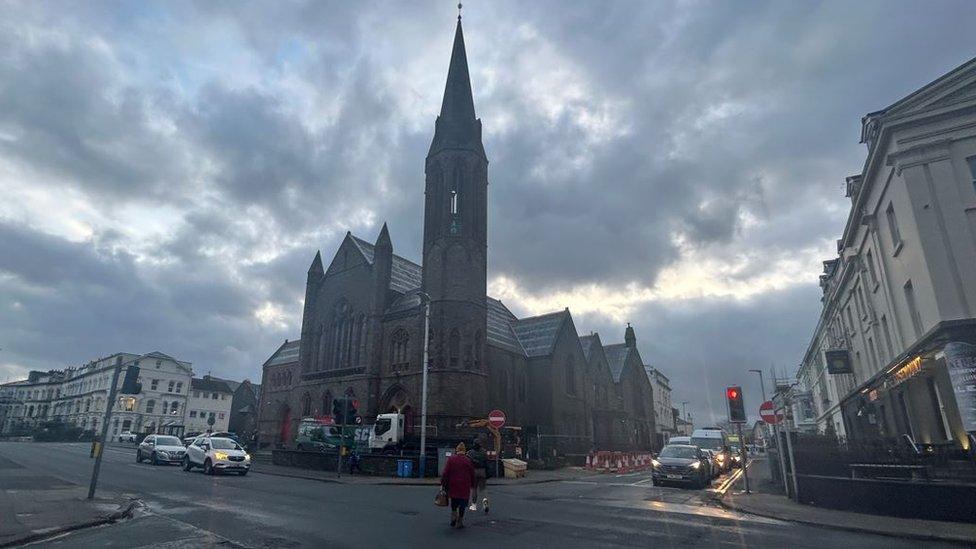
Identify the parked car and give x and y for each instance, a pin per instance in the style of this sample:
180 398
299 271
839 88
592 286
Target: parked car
190 437
160 449
681 463
216 454
127 436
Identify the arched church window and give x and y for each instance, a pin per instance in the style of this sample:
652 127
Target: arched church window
399 347
306 405
456 191
454 348
327 402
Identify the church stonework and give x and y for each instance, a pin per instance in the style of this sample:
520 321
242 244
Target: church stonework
362 325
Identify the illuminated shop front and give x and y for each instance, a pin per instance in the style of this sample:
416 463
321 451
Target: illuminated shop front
928 394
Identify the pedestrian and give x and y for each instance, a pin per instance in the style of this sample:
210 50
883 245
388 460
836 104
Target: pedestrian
354 462
479 458
457 480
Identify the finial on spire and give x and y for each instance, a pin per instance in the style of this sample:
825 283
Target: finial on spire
459 10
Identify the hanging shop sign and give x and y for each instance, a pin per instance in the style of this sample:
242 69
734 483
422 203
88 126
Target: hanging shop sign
838 361
961 363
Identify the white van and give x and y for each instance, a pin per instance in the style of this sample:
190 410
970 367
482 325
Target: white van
715 440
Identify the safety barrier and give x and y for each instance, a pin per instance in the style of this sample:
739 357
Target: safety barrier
618 462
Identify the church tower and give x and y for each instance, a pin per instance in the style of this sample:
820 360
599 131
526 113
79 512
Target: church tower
456 240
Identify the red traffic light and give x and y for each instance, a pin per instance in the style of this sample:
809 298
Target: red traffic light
732 393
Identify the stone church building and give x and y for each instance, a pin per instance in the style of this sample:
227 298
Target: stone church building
363 325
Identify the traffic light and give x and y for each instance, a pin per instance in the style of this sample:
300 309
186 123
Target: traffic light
130 384
737 408
338 410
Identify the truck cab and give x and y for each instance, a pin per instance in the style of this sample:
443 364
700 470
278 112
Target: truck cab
387 432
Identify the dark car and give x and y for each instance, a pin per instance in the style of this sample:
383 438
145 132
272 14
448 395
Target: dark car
680 463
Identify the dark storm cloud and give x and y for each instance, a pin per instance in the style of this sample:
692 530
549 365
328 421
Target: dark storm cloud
262 132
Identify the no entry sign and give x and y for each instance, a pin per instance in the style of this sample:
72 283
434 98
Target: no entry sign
768 415
496 418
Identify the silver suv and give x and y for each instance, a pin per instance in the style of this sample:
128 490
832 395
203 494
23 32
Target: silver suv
160 449
216 454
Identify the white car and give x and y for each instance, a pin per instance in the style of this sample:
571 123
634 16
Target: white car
216 454
160 449
127 436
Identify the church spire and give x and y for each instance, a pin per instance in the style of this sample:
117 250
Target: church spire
458 103
457 126
316 267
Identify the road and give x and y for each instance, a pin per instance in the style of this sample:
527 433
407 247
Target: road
183 509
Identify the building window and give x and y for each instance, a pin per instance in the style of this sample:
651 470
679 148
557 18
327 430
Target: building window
913 308
169 388
887 336
893 228
850 321
193 413
154 385
399 347
220 415
477 349
179 387
213 396
150 406
306 405
174 407
871 269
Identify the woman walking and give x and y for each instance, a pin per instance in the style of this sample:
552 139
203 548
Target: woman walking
457 480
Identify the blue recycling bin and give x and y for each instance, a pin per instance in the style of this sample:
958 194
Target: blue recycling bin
404 468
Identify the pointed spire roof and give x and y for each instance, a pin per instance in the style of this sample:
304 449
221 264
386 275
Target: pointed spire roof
458 103
457 125
316 267
384 237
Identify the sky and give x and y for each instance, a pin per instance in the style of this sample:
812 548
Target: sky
169 169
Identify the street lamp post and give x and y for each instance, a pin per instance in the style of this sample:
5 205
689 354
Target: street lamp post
423 398
684 415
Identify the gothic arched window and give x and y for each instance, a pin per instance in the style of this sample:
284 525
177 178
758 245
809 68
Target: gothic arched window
327 402
456 191
399 347
306 405
454 348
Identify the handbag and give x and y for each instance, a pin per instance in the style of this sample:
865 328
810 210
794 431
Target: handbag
440 499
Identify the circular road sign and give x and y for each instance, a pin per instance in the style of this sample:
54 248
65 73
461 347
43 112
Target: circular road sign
496 418
769 415
359 420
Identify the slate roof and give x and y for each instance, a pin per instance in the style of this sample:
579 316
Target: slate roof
209 384
616 358
537 334
589 343
500 331
405 275
285 354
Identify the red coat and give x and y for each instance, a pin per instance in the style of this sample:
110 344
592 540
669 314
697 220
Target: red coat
458 476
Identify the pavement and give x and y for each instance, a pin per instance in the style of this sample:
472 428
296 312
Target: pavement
34 505
189 509
767 500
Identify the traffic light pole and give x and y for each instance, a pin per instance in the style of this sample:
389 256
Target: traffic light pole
108 417
744 456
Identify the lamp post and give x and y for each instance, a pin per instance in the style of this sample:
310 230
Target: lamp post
425 298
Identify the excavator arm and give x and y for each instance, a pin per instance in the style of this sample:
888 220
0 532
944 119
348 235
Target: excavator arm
483 423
